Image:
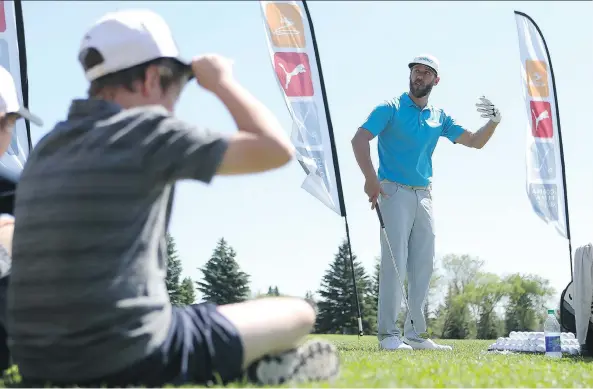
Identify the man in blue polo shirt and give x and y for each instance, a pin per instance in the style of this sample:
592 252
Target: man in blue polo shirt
408 129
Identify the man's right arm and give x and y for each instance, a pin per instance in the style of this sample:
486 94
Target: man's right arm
373 126
362 152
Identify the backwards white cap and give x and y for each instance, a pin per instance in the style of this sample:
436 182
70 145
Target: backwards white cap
128 38
9 101
427 60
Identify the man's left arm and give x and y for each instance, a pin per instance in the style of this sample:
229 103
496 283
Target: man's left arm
478 139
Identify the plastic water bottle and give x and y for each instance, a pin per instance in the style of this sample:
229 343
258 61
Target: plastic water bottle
552 336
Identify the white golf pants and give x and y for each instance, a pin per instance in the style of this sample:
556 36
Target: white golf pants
407 214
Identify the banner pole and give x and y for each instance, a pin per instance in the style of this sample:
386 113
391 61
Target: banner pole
20 36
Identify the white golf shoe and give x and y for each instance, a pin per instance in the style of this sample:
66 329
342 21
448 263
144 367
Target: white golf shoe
425 344
315 360
393 343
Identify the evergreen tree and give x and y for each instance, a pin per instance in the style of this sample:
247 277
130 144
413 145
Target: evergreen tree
337 304
174 270
273 291
223 282
188 294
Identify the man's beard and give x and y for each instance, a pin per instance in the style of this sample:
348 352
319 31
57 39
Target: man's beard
420 91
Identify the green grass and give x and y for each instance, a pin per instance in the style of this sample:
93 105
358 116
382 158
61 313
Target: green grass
468 365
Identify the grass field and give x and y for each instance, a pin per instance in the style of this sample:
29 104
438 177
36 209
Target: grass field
468 365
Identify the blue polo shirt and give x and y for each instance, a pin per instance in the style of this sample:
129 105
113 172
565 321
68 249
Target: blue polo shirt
407 137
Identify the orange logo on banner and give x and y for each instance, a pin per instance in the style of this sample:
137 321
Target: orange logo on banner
537 78
286 25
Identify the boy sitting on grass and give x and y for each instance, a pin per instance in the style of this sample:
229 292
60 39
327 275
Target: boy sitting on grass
87 302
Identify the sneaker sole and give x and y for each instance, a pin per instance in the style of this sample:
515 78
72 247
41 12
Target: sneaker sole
315 360
396 349
432 349
438 348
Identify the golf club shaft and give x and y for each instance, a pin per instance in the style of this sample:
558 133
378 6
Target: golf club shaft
401 283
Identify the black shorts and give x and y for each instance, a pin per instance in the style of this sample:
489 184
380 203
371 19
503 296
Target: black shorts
202 346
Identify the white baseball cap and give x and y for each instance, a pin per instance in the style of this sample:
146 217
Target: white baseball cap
427 60
128 38
9 101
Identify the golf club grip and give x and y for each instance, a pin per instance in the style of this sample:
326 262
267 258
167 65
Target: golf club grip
380 216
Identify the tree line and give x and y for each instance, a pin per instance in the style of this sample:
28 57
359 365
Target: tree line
464 300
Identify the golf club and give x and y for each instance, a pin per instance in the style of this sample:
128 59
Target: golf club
401 283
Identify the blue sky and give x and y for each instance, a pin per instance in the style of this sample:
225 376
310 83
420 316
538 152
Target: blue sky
286 237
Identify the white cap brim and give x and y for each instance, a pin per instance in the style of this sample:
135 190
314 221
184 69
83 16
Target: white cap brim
27 115
411 65
9 101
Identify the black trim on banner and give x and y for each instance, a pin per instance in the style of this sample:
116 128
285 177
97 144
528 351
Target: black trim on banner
559 134
327 115
20 36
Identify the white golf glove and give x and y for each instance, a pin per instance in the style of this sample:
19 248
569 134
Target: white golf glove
488 110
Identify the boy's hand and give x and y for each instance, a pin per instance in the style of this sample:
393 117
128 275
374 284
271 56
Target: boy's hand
212 70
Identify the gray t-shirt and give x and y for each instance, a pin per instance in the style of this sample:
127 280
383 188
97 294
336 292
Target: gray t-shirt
87 294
